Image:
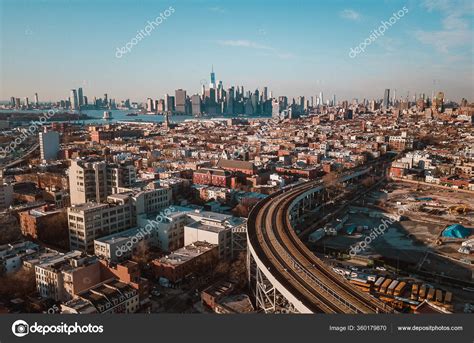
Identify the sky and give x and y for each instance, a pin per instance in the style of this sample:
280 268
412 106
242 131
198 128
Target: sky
297 47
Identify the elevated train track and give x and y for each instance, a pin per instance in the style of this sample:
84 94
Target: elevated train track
285 274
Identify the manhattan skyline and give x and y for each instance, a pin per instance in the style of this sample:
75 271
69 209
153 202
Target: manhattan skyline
77 42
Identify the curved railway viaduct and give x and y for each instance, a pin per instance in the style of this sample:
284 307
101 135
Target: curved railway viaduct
284 275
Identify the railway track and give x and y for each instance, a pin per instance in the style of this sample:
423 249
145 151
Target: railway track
275 254
305 275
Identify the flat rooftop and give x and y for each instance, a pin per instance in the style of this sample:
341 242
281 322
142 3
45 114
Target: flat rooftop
204 227
118 237
87 206
187 253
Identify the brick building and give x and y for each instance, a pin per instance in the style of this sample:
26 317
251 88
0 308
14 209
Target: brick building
236 166
46 224
129 273
212 176
185 261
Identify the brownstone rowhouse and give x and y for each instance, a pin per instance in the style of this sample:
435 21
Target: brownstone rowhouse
46 225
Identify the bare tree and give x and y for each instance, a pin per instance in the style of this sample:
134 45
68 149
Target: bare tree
9 229
18 284
331 184
234 271
141 254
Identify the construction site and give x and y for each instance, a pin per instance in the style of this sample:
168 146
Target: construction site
406 244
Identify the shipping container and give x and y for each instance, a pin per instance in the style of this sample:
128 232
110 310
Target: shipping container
422 294
378 283
400 288
383 288
431 294
391 287
414 291
439 296
448 297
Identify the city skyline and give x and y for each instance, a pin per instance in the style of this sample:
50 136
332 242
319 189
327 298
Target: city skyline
431 41
77 97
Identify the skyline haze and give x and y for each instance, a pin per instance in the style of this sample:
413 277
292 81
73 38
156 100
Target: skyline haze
428 50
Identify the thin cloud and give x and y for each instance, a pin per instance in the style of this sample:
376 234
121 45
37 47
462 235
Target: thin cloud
285 55
217 9
432 5
350 15
444 40
455 32
243 43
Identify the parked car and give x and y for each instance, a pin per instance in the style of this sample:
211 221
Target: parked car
155 293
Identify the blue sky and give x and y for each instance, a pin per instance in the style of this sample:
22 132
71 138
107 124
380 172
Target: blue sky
293 47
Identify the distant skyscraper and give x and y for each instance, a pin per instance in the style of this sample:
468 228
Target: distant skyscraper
80 97
230 101
180 97
372 105
321 100
438 102
196 106
334 100
149 105
213 79
169 103
265 94
386 98
74 100
283 100
275 109
255 102
300 103
27 103
36 99
220 91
